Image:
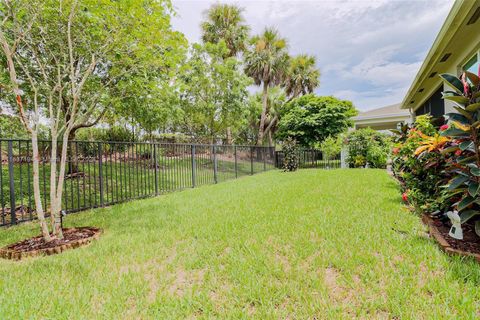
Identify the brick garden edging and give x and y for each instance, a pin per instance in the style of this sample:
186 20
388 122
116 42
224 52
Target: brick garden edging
443 242
10 254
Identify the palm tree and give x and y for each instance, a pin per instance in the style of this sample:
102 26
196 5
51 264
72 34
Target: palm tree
302 76
276 101
267 63
225 22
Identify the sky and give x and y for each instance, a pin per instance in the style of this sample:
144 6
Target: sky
367 51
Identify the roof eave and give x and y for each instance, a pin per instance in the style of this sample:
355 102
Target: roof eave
450 27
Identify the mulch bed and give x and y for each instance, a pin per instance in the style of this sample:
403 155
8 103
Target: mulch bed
21 212
36 246
76 175
469 246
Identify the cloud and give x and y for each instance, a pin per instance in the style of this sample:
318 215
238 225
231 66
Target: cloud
368 51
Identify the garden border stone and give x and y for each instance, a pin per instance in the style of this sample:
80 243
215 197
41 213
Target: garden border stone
443 242
10 254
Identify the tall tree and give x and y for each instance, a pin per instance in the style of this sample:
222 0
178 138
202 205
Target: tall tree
266 62
56 52
302 76
276 102
213 91
225 22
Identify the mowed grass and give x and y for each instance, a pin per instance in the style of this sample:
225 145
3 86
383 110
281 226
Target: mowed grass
318 244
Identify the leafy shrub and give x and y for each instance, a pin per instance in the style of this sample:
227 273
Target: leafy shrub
169 138
331 147
367 147
420 173
290 152
112 134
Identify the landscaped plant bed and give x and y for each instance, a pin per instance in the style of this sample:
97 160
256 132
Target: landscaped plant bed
36 246
469 246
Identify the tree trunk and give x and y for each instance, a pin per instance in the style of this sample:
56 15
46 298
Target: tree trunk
264 113
229 135
36 188
72 165
53 177
61 178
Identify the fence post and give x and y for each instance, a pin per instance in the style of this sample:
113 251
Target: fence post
251 161
215 178
193 166
236 164
343 158
12 183
100 172
264 159
155 159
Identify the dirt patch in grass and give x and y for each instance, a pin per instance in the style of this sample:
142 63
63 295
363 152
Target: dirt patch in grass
72 238
335 290
218 295
339 292
152 270
184 280
282 260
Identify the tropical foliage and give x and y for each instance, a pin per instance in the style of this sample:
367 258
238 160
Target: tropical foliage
225 22
463 189
443 173
419 171
266 61
302 76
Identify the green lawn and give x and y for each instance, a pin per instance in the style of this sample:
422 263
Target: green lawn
121 180
311 244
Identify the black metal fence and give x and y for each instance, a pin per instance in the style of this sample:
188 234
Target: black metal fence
309 158
104 173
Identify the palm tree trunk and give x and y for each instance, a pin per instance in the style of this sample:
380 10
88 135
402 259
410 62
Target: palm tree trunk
264 113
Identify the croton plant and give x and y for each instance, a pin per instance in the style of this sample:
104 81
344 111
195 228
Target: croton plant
418 164
460 143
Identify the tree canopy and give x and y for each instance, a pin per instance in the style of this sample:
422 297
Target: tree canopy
266 62
213 91
310 119
225 22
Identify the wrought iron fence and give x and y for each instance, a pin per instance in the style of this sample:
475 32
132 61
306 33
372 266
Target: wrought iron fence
309 158
104 173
